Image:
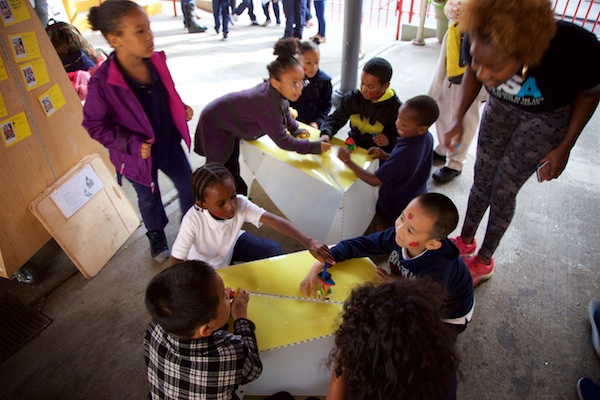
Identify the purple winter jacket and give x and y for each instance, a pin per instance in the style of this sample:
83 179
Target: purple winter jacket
113 116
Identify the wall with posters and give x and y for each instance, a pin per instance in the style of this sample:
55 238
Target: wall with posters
41 136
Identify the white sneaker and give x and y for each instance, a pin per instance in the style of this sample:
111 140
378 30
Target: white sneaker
267 22
234 17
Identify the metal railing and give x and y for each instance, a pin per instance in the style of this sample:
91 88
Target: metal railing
388 14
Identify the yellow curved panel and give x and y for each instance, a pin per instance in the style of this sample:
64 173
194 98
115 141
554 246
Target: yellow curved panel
282 275
325 167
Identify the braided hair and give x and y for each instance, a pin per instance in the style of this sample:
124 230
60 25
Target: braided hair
206 176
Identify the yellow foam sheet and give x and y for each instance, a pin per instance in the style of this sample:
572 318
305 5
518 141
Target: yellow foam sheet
336 173
282 321
282 275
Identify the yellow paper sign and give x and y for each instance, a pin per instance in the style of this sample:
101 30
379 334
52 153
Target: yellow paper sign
3 74
24 46
3 111
35 73
52 100
13 11
15 129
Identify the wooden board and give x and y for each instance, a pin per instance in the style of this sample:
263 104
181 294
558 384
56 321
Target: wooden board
34 163
92 235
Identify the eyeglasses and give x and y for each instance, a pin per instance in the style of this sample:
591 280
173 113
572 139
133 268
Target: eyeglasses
299 85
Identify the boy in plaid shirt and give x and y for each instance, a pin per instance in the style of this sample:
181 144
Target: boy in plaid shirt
187 354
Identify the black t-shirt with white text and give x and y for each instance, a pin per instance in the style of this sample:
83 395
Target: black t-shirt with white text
571 64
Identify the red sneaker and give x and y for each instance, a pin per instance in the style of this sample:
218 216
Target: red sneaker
479 271
463 248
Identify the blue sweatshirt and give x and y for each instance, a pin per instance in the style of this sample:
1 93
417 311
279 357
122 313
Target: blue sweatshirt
443 265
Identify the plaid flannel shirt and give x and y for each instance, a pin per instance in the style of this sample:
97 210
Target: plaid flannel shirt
207 368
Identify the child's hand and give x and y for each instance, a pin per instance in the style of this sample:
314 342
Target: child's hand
309 285
321 252
314 125
189 113
325 146
381 140
145 149
344 155
375 152
325 138
239 306
293 112
384 276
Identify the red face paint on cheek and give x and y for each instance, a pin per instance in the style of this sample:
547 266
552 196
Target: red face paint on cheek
414 244
410 216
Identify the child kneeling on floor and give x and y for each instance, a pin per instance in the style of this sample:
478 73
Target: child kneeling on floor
188 353
417 246
211 230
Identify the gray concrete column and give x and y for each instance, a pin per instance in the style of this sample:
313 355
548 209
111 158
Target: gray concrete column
352 37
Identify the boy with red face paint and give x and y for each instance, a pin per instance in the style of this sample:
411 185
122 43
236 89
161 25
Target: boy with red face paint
417 246
371 109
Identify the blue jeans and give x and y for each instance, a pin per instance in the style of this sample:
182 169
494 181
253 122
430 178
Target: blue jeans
294 17
320 11
275 11
250 247
240 9
221 12
151 206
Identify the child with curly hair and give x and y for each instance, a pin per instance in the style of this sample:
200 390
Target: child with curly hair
392 344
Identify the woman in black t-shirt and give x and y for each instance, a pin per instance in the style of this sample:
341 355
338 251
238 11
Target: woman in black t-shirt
544 84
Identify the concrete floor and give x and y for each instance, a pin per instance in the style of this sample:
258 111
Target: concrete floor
530 337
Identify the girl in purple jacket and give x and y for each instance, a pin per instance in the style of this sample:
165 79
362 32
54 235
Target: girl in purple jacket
134 110
251 113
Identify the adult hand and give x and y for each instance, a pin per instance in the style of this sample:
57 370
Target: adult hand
557 161
344 155
309 285
239 306
325 146
453 137
145 149
321 252
381 140
384 276
189 113
375 152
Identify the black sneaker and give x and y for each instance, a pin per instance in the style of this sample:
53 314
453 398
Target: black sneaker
158 245
587 389
445 174
438 158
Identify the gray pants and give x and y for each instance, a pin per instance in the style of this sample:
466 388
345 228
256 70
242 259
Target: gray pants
511 143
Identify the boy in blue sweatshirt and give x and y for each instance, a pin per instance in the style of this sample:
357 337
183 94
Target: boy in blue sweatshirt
417 246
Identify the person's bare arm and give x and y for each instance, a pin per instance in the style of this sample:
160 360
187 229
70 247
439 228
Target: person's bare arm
337 389
583 108
470 89
319 250
174 261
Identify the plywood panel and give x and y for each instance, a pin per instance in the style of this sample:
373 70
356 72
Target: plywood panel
31 165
